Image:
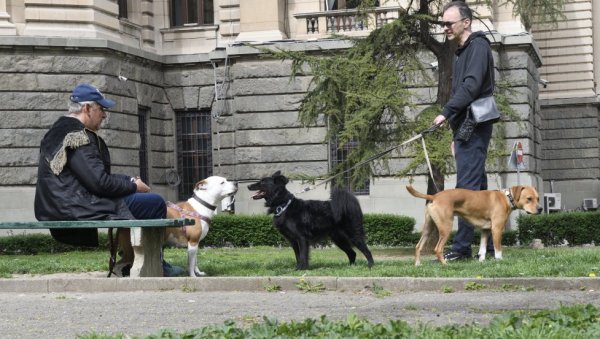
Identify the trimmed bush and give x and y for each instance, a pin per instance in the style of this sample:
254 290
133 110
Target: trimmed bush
243 231
258 230
43 243
578 228
251 230
390 230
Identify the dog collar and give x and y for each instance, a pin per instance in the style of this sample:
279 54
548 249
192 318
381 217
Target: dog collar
187 213
511 200
205 204
281 208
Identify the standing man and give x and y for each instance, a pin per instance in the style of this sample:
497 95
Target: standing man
74 175
472 78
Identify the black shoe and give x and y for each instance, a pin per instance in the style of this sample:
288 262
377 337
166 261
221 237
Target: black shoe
455 256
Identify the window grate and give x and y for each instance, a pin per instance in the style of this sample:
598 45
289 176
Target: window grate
143 152
194 149
337 157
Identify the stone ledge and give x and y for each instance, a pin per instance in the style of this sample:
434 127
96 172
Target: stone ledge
98 283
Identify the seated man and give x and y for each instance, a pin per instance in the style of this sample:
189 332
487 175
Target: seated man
74 177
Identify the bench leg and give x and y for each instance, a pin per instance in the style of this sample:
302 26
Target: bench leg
147 246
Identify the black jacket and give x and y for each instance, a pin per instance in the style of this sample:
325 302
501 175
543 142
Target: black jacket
75 183
472 77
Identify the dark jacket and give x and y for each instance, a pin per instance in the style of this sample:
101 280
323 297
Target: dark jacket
74 181
472 77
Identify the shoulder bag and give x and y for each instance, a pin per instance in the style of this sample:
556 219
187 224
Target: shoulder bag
484 109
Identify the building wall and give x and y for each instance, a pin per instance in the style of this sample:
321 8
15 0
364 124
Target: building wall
37 83
258 132
570 103
255 133
567 48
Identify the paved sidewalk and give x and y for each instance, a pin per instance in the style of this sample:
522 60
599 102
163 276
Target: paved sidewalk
63 306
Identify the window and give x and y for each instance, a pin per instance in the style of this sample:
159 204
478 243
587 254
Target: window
143 152
337 157
194 149
191 12
122 9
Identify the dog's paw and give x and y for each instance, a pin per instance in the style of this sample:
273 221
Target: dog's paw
199 273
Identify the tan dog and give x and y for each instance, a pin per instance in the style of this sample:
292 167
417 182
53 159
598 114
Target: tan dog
488 210
201 207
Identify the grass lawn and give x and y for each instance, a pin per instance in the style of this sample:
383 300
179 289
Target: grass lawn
574 322
579 321
330 261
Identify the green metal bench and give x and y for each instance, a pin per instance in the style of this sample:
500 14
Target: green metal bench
146 238
95 223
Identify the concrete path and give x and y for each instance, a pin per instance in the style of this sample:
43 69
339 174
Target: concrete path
64 306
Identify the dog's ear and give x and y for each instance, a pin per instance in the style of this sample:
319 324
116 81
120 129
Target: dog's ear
516 192
200 185
279 178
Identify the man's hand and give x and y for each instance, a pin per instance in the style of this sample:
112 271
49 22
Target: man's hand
439 120
141 186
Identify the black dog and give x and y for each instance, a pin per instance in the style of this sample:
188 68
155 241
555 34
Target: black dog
303 222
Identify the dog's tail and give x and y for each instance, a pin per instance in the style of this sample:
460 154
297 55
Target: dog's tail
432 238
418 194
345 205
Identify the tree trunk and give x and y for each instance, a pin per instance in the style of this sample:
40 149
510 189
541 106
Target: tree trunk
445 65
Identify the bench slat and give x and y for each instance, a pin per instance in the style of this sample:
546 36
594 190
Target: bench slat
97 223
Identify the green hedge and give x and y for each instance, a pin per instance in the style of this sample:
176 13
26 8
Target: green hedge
242 231
258 230
380 229
577 228
42 243
390 230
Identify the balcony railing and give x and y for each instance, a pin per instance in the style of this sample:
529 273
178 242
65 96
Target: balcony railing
347 21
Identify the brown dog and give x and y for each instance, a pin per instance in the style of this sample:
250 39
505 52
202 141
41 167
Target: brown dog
488 210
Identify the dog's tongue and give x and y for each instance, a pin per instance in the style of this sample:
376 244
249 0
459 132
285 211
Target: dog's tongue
258 195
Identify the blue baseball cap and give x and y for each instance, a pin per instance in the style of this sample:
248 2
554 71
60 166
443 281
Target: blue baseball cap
85 92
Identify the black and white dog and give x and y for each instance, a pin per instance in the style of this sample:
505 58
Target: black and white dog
303 222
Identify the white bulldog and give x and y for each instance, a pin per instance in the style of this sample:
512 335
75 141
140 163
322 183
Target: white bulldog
208 193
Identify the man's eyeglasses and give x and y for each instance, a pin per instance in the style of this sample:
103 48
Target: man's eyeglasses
449 24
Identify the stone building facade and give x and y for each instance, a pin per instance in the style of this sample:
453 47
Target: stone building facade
194 97
570 103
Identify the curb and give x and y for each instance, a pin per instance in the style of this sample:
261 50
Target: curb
260 284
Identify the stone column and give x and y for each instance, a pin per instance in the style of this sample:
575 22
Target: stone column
6 27
262 20
147 246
